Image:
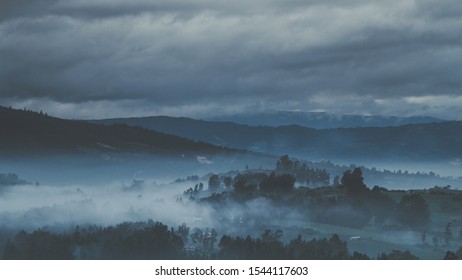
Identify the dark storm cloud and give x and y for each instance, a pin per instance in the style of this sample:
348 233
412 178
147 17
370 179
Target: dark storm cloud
11 9
441 10
343 56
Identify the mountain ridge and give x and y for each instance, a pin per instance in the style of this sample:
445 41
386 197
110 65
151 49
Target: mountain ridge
431 141
321 120
27 132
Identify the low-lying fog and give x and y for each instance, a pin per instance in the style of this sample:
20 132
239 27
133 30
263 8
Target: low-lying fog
31 206
64 193
61 208
68 191
100 169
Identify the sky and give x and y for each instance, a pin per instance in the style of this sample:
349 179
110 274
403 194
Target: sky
202 58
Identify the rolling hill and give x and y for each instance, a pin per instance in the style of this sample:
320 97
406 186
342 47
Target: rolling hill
26 132
413 142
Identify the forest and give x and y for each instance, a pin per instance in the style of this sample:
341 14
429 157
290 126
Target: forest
154 240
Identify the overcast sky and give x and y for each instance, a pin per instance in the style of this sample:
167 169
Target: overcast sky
106 58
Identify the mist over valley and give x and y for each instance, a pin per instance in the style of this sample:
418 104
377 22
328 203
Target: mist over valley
73 177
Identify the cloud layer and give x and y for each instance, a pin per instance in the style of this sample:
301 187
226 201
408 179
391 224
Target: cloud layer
103 58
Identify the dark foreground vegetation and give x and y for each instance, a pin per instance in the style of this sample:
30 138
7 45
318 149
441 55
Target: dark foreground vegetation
154 240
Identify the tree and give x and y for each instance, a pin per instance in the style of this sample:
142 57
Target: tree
413 211
10 179
214 182
397 255
183 231
450 256
278 183
228 181
243 190
208 241
284 164
10 252
339 248
380 204
359 256
268 236
354 181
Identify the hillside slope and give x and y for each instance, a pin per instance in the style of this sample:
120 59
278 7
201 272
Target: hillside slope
432 141
25 132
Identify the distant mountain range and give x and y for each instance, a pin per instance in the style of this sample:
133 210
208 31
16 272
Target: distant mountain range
413 142
26 133
320 119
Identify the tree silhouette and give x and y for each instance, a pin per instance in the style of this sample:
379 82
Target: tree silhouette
450 256
214 182
284 164
354 182
278 183
413 211
397 255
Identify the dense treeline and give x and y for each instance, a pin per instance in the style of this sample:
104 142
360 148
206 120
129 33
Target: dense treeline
11 179
154 240
302 172
270 246
151 240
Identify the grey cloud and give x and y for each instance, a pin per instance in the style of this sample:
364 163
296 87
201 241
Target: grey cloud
184 53
442 10
10 9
